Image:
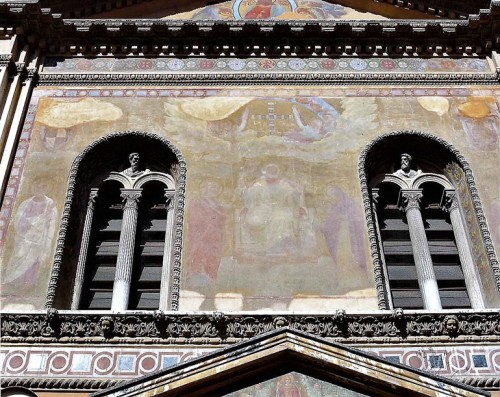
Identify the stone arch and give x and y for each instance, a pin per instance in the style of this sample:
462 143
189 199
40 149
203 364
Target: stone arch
380 153
162 156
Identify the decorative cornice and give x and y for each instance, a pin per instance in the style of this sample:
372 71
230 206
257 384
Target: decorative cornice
179 214
369 211
60 384
484 382
396 326
220 79
186 38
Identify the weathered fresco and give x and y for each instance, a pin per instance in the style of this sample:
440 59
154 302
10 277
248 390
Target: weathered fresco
274 217
295 384
275 9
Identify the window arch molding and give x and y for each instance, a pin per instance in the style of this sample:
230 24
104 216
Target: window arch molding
375 153
108 153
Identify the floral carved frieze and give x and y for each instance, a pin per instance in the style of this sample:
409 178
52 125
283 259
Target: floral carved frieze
395 326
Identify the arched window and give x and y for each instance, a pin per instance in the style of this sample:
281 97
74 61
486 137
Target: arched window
424 254
123 208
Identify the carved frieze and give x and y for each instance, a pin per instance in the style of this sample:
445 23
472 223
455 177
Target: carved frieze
390 327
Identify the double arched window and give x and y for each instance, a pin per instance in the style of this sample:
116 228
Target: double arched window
123 202
424 253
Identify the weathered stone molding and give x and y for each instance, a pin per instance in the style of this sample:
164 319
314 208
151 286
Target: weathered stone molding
60 384
211 328
367 202
488 383
221 79
179 213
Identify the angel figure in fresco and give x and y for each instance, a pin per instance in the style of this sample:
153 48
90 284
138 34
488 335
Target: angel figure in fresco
275 218
206 219
34 229
321 124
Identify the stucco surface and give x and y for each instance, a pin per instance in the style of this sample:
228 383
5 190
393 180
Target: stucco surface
274 216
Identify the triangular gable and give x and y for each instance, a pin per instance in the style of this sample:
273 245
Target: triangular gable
283 353
275 10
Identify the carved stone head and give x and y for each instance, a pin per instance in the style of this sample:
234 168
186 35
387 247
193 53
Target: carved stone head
405 162
134 159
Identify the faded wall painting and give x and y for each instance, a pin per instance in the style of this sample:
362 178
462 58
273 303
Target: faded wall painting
274 217
275 9
295 384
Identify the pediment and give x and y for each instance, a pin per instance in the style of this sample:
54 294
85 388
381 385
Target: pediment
293 362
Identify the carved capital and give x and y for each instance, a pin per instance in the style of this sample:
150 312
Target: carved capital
375 195
131 197
93 197
410 199
169 198
450 201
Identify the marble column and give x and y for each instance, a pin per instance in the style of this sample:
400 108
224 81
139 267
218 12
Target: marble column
125 260
471 278
167 251
421 253
84 250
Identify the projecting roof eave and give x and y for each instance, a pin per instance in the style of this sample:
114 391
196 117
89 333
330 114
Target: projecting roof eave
286 350
451 9
54 35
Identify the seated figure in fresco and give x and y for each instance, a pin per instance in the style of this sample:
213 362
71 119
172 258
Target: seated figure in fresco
275 220
405 171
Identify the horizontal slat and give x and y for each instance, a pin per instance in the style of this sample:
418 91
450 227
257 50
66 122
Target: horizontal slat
407 299
397 247
156 225
101 300
150 273
437 224
148 300
394 224
456 298
104 273
153 248
113 225
402 272
443 248
449 272
107 248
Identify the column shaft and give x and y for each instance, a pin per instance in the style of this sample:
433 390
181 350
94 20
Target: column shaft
421 253
125 260
167 252
471 281
84 248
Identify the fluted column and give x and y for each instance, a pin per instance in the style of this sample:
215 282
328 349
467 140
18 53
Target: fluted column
125 260
471 280
167 251
421 253
84 250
